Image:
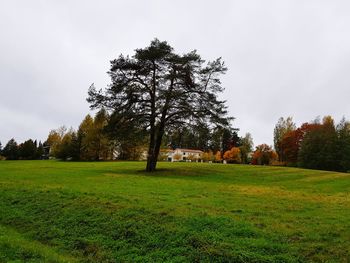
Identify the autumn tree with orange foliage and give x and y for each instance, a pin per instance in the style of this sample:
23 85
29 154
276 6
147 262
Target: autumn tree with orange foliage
233 155
264 155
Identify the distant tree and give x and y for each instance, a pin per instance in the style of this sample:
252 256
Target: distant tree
233 155
282 127
218 157
126 137
343 130
163 155
264 155
100 139
208 156
211 156
191 157
290 146
177 157
69 147
86 136
10 151
223 138
1 155
202 132
27 150
205 157
319 147
229 139
54 140
197 136
75 147
159 89
246 147
291 143
40 151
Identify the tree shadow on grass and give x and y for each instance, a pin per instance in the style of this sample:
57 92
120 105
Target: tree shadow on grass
163 172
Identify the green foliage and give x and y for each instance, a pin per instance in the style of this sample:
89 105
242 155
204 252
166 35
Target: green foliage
157 90
129 139
40 151
28 150
185 212
282 127
10 151
343 130
246 147
318 145
326 147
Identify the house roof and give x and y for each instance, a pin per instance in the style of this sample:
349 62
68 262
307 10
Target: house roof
188 150
166 150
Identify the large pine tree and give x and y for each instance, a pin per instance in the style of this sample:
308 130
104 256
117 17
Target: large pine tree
157 89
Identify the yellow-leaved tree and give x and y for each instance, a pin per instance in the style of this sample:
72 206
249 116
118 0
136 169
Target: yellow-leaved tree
218 157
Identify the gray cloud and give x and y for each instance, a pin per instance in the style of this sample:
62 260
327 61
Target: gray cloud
284 57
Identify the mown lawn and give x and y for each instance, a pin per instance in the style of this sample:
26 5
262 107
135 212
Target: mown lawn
114 212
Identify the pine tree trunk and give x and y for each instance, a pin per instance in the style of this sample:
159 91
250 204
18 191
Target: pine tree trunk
154 149
150 158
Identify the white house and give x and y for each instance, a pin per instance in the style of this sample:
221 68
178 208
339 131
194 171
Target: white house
177 155
180 154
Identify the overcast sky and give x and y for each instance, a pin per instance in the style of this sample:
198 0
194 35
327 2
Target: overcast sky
285 58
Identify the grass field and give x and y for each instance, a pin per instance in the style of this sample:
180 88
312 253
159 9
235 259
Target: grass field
114 212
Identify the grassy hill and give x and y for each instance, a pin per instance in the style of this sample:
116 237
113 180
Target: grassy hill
114 212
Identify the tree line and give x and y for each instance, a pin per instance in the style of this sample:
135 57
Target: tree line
103 138
318 144
28 150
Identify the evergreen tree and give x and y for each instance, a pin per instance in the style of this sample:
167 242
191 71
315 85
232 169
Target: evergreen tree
125 137
223 138
159 89
40 151
75 147
10 151
27 150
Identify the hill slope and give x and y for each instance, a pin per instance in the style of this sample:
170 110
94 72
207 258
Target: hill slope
111 212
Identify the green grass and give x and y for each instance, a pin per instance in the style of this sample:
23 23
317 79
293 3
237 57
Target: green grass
114 212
